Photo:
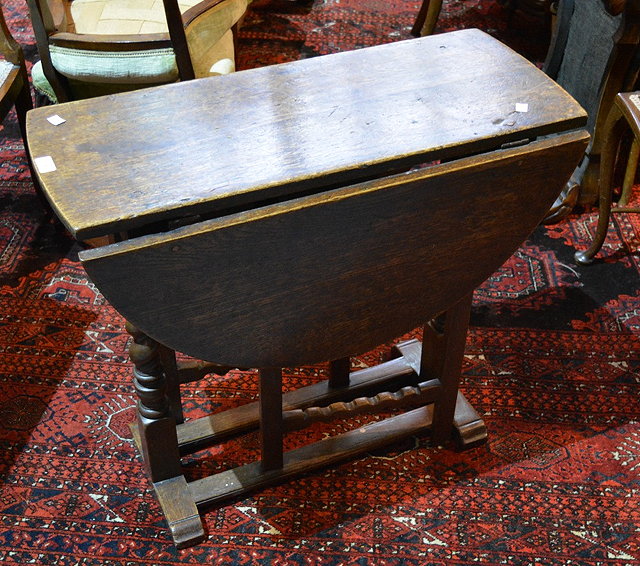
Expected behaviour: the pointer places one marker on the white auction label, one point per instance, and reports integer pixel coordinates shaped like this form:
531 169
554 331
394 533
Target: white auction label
44 164
56 120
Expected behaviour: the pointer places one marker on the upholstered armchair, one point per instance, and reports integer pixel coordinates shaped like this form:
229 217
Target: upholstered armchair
14 84
94 47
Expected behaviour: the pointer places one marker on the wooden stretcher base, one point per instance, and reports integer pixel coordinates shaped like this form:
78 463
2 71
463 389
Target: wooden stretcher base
181 500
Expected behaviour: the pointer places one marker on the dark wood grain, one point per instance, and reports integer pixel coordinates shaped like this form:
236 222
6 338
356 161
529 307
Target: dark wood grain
232 483
297 236
275 131
196 433
271 423
469 427
284 285
454 338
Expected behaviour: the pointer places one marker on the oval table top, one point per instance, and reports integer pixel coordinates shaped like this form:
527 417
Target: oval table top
221 144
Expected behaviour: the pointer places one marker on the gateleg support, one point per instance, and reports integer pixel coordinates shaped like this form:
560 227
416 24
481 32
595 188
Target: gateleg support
453 340
271 423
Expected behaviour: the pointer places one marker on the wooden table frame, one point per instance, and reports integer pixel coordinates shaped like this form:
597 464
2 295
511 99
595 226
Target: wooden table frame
332 239
162 435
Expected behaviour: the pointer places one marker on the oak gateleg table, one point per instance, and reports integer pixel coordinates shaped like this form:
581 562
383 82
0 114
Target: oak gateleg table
301 213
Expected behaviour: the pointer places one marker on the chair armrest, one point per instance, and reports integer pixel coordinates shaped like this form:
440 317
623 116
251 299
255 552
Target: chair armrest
193 12
134 42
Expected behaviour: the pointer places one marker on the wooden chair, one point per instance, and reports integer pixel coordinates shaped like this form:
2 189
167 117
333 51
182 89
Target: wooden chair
14 83
94 47
427 18
15 92
594 54
624 117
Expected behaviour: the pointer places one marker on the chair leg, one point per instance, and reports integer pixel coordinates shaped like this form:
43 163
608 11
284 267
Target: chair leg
23 104
616 126
630 172
427 18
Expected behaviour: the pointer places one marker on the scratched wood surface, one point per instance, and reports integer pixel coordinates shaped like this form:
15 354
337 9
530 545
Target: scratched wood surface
328 275
210 145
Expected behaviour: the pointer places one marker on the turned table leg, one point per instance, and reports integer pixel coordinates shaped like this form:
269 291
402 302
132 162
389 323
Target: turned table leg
158 440
172 380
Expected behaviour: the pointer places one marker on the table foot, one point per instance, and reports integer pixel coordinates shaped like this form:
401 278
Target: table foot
180 511
469 428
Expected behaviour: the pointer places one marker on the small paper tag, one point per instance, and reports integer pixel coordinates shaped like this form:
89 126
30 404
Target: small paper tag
522 107
56 120
635 99
44 164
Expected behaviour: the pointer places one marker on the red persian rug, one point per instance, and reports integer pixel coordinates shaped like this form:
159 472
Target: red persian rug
552 362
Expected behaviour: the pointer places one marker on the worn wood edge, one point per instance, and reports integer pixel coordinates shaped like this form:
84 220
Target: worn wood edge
9 81
180 501
297 203
197 433
468 424
180 511
244 479
410 351
120 42
406 397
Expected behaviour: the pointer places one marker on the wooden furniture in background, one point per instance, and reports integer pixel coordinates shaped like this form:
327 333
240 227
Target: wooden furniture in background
429 12
94 47
332 239
594 54
624 116
14 83
427 18
531 9
15 91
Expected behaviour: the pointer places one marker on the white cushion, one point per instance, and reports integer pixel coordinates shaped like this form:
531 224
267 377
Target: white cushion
5 68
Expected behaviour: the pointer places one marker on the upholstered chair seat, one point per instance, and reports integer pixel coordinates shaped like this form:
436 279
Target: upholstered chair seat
5 68
90 72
